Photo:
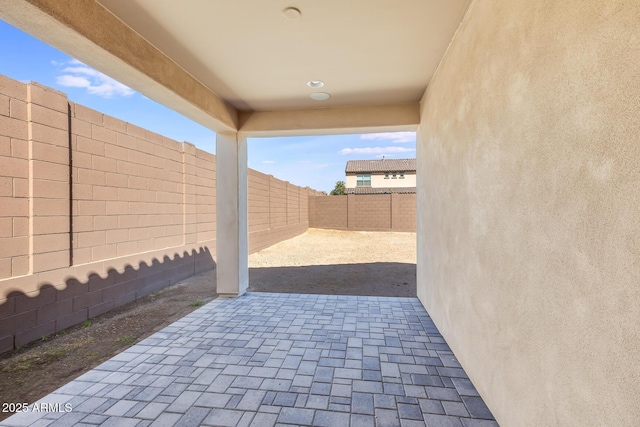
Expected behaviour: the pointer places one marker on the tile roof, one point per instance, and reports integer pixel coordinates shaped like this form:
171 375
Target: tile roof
383 165
383 190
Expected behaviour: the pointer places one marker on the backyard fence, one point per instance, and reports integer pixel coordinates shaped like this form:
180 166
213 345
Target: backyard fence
364 212
96 212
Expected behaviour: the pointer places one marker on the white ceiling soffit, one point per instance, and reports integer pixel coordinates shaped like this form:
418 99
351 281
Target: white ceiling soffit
367 52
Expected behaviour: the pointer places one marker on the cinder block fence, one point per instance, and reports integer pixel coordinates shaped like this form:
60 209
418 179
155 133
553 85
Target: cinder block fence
364 212
96 212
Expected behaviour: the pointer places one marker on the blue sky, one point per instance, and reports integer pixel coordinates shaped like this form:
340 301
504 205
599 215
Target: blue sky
316 161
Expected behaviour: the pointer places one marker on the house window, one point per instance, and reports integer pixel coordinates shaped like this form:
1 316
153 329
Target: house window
363 181
394 176
386 176
402 175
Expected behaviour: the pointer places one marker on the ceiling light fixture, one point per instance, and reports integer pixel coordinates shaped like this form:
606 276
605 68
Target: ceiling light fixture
320 96
315 83
292 13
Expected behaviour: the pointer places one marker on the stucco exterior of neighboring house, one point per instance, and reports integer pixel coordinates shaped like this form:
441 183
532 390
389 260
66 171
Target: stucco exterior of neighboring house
381 176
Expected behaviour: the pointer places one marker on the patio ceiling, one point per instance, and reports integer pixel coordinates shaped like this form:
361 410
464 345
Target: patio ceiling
245 64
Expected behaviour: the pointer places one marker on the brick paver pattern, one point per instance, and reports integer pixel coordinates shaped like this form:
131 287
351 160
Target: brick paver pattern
267 359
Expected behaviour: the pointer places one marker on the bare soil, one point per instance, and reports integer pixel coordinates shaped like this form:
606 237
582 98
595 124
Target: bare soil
338 263
318 261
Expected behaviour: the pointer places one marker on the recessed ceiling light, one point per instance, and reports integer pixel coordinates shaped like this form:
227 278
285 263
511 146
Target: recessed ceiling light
320 96
292 13
315 83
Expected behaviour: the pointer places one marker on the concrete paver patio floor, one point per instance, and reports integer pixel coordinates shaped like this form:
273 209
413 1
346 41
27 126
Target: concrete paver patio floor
267 359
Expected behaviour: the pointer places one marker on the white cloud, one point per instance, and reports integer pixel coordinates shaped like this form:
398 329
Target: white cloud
393 137
83 70
376 150
73 81
268 162
92 80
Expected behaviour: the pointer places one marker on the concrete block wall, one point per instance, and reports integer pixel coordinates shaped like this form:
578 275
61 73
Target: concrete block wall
96 212
364 212
372 212
403 212
204 206
14 179
129 186
278 210
329 212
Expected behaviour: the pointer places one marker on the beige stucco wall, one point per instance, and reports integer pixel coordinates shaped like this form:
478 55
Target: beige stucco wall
379 181
529 208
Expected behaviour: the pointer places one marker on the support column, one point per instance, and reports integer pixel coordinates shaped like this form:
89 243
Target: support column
232 249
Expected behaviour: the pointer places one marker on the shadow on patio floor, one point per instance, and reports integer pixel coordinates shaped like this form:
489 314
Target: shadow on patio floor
386 279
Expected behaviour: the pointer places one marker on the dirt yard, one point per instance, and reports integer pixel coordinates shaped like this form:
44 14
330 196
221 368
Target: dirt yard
319 261
338 263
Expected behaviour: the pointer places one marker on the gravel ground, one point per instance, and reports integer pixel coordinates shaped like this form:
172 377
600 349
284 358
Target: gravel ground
318 261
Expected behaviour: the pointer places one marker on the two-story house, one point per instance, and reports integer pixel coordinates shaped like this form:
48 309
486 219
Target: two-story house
381 176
